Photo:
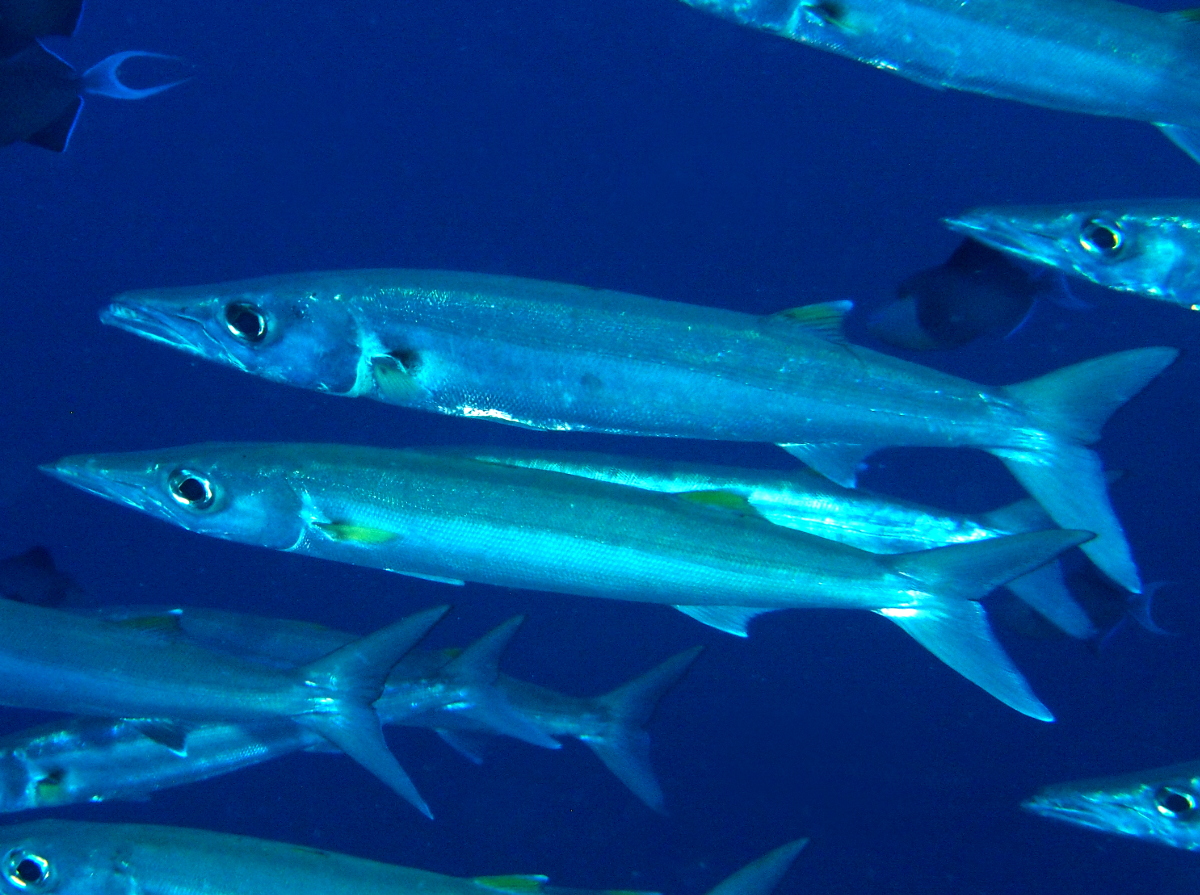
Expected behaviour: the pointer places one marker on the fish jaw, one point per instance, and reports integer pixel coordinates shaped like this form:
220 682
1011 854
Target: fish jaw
194 488
305 337
1166 811
1030 235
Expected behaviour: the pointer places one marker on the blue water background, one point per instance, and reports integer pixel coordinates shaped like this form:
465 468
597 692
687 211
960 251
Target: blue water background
636 145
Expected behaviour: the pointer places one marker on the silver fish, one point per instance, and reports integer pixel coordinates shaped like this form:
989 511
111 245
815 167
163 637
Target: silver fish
560 357
94 760
79 858
1148 247
1097 57
1161 805
450 518
803 500
71 663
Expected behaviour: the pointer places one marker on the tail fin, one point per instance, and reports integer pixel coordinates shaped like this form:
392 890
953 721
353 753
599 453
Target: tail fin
761 876
1045 590
103 79
624 746
477 667
348 681
953 626
1066 478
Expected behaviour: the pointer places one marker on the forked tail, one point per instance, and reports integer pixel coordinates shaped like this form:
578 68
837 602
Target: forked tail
623 744
1070 406
950 622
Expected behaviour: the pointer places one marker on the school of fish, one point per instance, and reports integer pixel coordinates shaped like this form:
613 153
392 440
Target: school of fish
165 695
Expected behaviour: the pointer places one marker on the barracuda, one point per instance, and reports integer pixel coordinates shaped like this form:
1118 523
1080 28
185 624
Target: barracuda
1092 56
456 694
806 501
1147 247
454 519
1161 805
560 357
78 858
69 663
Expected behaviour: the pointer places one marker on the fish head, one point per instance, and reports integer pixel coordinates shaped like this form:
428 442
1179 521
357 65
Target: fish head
287 329
1161 806
49 856
1119 245
236 492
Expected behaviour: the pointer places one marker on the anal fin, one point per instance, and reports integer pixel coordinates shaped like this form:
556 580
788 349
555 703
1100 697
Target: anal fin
837 461
730 619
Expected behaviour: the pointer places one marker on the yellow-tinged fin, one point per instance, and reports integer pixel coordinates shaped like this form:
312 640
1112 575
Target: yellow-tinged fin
514 884
823 319
725 500
1186 15
359 534
166 623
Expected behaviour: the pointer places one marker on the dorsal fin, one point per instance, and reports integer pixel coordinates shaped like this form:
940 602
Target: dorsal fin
823 319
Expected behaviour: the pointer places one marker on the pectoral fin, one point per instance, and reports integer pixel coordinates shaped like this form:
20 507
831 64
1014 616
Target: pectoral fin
1186 138
358 534
512 885
724 500
165 732
823 320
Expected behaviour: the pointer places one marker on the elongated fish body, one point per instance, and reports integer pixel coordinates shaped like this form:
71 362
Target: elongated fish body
1161 805
93 759
1092 56
71 663
561 357
1144 246
453 518
81 858
809 502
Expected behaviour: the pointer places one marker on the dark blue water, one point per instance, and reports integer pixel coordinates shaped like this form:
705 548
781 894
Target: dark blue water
636 145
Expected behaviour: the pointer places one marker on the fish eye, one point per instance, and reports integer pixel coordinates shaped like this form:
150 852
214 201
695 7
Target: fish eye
26 870
1102 237
245 321
1171 802
191 489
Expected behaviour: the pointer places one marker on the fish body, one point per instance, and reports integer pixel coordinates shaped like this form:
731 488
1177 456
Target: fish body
1145 247
103 859
976 291
1161 805
32 577
453 519
70 663
561 357
1096 57
41 95
806 501
92 760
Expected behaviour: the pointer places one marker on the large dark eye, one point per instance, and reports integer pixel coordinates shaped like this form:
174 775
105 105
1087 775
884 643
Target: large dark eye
1102 237
245 321
26 870
191 489
1174 803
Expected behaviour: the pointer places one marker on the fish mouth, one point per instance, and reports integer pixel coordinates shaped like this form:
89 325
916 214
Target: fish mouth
82 473
165 327
1006 236
1057 809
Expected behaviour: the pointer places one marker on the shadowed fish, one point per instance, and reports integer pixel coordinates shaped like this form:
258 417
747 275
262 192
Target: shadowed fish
1147 247
23 21
451 518
1161 805
1097 57
459 694
977 291
32 577
569 358
100 859
40 95
71 663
